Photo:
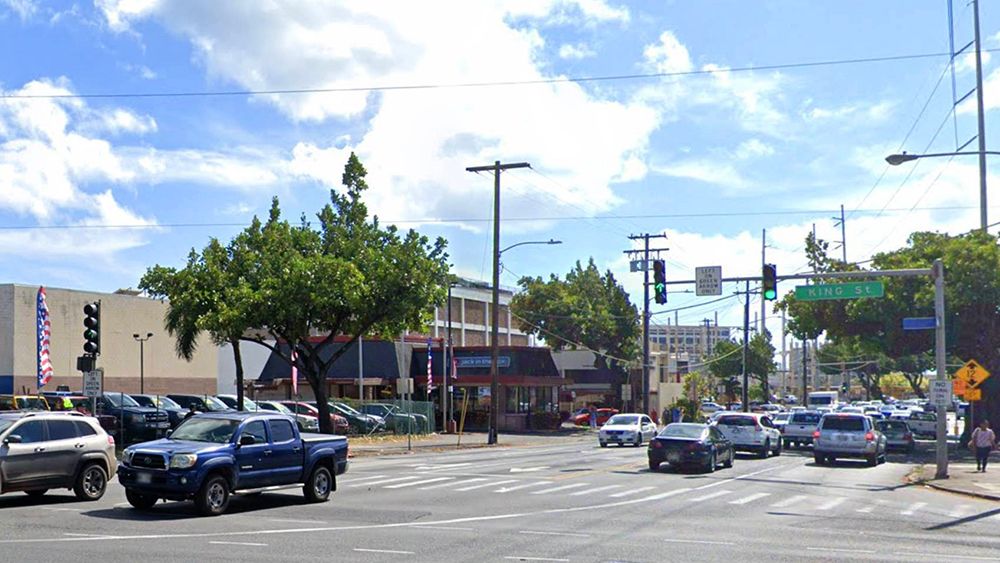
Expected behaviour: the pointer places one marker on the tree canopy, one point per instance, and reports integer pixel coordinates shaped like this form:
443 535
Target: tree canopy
587 307
304 285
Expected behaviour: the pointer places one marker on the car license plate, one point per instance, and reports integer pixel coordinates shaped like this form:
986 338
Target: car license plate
143 478
163 425
843 438
673 457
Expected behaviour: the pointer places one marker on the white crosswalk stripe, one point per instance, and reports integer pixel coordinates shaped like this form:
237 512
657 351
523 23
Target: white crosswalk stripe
595 490
831 504
368 478
562 488
709 496
519 487
454 483
913 508
384 481
789 501
632 492
750 498
484 485
959 511
424 482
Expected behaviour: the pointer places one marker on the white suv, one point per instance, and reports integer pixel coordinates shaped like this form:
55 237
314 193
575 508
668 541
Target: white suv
752 432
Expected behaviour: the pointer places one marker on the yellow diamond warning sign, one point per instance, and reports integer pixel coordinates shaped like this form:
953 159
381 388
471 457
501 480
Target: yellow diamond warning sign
973 373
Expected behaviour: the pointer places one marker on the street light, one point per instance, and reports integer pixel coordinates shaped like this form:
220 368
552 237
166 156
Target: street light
897 159
142 367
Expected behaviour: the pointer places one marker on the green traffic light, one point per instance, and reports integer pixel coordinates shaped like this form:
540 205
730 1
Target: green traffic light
770 294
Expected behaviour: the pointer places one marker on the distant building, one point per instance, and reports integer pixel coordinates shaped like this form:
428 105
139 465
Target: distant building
471 316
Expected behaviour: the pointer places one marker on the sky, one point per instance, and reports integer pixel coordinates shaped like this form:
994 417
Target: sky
134 130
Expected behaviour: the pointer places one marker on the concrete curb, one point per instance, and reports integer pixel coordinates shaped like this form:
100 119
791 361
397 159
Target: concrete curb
916 477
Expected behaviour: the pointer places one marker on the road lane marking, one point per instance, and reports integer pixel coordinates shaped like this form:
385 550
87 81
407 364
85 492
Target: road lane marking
490 484
294 521
832 503
562 488
345 481
701 542
913 508
449 528
915 556
866 510
85 535
632 492
62 509
519 487
789 501
839 550
709 496
567 534
383 481
959 511
250 544
525 558
424 482
750 498
455 484
595 490
391 551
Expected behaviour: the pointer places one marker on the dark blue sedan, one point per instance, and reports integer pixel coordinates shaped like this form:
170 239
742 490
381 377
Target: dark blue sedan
684 443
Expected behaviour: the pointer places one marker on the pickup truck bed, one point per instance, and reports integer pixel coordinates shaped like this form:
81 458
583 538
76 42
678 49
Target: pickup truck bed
212 456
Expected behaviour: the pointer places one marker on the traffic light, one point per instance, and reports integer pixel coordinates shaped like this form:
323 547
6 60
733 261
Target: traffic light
659 281
769 284
92 332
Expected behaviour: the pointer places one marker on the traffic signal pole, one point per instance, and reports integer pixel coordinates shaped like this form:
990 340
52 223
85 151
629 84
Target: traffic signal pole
645 312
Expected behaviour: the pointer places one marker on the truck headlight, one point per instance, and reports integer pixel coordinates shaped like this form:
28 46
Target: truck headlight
183 461
139 418
127 456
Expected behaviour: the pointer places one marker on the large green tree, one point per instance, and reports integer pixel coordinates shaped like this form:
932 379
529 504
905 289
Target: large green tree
587 308
303 285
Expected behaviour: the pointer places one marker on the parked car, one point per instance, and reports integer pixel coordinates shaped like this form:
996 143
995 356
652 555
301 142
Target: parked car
201 403
65 450
897 435
848 436
396 419
686 443
306 423
624 429
603 414
339 423
138 423
359 422
23 403
175 412
798 431
708 407
211 456
751 432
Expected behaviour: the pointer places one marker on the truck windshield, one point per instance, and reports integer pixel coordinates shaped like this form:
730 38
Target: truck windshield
117 399
206 430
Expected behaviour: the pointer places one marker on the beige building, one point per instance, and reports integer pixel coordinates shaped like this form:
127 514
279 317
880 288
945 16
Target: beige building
470 317
122 316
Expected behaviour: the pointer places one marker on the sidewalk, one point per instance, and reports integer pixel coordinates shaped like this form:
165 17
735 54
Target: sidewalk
963 477
393 444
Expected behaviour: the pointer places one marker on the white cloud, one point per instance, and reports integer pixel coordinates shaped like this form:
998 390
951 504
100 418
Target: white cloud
576 51
118 120
752 148
704 170
852 113
417 143
967 62
23 8
667 56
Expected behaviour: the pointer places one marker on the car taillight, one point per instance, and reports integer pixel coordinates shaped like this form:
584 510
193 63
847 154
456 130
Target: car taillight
870 437
815 433
907 436
655 444
693 447
111 440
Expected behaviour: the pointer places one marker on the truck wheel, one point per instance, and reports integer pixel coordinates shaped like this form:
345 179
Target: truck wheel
91 482
317 488
139 500
213 497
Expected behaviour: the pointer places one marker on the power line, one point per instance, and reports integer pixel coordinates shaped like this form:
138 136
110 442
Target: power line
455 85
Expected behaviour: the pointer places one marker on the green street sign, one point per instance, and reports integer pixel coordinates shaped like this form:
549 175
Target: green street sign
850 290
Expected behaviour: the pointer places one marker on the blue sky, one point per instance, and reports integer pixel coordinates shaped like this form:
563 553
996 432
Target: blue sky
709 159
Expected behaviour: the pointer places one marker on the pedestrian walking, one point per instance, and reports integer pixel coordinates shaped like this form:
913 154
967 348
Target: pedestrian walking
593 416
983 441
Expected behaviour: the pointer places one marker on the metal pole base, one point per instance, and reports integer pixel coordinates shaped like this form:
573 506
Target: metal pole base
491 439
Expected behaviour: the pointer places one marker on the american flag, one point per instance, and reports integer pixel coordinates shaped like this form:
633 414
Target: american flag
454 368
430 373
44 338
295 375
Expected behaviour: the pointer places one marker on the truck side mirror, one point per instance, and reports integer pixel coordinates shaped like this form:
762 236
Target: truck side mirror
247 440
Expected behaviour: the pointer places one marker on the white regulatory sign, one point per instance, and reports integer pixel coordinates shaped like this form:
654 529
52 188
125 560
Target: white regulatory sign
93 382
940 393
708 280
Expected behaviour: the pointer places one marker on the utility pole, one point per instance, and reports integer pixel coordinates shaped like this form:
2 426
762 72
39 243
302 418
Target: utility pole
496 168
805 369
843 236
645 311
762 327
744 396
981 121
450 359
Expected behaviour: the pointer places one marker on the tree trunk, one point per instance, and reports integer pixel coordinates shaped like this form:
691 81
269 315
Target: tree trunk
238 359
318 385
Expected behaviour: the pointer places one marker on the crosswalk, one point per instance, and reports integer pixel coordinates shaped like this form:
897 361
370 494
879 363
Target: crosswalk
761 498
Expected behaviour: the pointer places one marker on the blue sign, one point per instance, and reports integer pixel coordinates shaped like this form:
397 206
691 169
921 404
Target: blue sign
919 323
482 361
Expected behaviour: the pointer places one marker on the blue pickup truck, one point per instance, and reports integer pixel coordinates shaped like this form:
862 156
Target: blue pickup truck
214 455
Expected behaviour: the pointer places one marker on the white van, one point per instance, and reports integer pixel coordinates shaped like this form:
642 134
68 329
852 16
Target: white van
819 399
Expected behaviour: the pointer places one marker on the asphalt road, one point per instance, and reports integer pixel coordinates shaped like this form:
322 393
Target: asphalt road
568 502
